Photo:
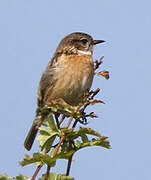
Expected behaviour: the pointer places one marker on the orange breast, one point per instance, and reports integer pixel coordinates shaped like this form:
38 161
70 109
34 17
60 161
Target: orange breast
73 76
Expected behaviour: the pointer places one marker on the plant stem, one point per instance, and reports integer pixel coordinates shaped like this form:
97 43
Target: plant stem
69 122
62 119
36 172
75 123
62 138
58 146
57 120
69 165
69 160
47 173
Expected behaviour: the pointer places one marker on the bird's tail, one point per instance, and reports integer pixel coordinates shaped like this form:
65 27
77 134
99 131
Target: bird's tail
32 133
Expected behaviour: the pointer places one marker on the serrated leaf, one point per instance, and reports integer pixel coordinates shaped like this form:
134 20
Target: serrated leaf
52 124
28 160
88 131
65 155
19 177
5 177
38 157
54 176
65 152
46 141
82 131
101 141
48 134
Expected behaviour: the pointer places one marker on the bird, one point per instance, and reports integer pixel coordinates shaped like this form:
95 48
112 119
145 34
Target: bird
68 76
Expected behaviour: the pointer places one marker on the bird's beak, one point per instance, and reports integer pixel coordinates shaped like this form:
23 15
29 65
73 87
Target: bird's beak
98 41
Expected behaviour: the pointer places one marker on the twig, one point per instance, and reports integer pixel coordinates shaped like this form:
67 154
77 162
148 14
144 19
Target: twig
98 63
95 93
57 120
69 160
62 119
69 165
36 172
38 169
58 146
69 122
47 173
62 138
75 123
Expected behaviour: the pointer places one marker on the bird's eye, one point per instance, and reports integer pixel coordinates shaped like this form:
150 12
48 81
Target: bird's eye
84 41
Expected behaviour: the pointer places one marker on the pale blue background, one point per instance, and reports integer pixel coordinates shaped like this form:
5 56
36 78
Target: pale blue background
29 33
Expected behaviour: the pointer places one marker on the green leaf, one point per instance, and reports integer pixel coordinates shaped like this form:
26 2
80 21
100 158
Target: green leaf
101 141
46 141
78 145
19 177
48 134
60 106
5 177
88 131
38 158
72 134
84 138
52 124
68 131
65 155
54 176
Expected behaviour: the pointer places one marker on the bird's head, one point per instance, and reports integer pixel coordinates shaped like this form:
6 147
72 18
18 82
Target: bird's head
77 43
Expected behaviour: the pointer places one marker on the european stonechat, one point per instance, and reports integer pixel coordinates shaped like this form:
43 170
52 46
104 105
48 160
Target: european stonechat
68 76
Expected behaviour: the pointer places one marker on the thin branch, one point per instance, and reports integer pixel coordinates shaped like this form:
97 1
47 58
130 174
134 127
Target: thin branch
47 173
75 123
36 172
98 63
58 146
57 120
69 122
62 138
62 119
95 93
69 165
69 160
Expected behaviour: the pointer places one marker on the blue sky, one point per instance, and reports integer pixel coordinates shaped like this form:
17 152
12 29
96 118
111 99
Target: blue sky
29 33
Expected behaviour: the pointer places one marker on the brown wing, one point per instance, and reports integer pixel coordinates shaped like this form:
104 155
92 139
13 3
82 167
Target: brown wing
46 81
